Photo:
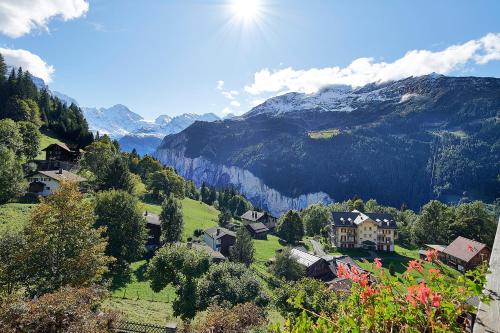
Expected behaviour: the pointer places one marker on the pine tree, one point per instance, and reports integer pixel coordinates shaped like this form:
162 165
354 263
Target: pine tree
117 176
290 227
204 191
3 71
243 250
172 220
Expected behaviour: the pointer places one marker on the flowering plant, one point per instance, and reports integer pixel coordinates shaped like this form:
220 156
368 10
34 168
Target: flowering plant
424 298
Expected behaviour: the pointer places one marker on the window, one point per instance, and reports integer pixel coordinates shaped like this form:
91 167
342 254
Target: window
47 188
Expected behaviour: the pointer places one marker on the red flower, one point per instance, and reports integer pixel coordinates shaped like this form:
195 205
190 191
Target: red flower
342 271
378 263
423 292
470 248
430 255
433 271
415 264
363 280
369 291
436 300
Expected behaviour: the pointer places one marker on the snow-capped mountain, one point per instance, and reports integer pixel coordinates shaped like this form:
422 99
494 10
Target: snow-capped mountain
118 121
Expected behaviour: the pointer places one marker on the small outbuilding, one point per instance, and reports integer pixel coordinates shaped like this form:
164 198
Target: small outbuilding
464 254
257 230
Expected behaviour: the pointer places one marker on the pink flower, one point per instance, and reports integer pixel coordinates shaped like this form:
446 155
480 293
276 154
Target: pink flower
368 292
436 300
378 263
470 248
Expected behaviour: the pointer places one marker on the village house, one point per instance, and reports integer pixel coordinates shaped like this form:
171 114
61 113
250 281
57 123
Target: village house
464 254
58 156
265 218
257 230
371 231
44 183
153 224
220 239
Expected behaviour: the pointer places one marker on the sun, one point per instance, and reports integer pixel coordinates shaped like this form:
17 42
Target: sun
246 10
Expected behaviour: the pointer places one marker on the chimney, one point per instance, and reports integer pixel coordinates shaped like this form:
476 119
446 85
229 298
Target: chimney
146 213
218 232
60 171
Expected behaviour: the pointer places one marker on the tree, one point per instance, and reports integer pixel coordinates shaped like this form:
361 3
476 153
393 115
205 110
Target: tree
10 137
286 267
212 197
180 266
117 176
246 317
64 248
224 218
229 283
98 156
119 213
148 165
312 295
191 191
67 310
166 182
11 175
12 265
243 250
356 204
172 220
315 218
205 193
472 220
31 137
431 226
3 71
290 227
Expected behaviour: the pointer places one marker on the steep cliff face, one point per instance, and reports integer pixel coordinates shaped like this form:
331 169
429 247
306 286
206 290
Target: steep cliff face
202 170
408 141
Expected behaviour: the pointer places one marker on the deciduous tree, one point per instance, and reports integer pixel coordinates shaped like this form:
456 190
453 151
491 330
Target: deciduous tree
172 220
290 227
243 250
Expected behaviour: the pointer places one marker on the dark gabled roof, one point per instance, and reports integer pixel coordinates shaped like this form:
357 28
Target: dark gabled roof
252 215
368 242
152 218
344 219
384 220
209 251
345 260
258 227
347 219
218 232
464 249
60 144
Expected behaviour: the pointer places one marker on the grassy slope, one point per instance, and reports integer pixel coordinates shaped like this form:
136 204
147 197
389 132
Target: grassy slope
13 216
197 215
45 141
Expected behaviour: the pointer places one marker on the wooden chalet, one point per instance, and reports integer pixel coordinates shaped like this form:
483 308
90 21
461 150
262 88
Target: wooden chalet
464 254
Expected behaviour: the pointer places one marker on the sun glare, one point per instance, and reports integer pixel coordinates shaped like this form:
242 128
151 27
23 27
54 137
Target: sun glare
246 10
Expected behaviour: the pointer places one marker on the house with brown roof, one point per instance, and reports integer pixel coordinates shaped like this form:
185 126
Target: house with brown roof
464 254
44 183
220 239
265 218
257 230
61 152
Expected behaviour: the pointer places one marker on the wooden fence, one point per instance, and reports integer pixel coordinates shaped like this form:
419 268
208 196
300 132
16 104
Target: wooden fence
133 327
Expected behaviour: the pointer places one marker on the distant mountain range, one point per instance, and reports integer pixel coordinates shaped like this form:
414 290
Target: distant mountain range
406 141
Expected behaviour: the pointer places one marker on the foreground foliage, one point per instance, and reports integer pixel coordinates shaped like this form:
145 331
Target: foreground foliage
421 300
68 310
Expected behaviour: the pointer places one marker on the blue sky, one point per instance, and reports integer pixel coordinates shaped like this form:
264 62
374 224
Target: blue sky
168 57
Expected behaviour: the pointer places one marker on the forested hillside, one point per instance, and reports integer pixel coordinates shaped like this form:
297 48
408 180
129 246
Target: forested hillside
407 141
21 100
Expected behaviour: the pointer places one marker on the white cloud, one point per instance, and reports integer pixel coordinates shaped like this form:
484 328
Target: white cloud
226 111
365 70
235 103
19 17
28 61
220 85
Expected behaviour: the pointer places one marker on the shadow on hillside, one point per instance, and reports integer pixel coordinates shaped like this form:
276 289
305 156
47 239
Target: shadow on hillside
140 273
151 199
120 279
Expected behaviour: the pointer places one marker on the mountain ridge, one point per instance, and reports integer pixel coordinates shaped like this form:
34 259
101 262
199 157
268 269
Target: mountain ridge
436 136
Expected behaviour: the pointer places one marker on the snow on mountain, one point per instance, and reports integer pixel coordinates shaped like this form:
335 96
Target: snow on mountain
65 98
118 121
